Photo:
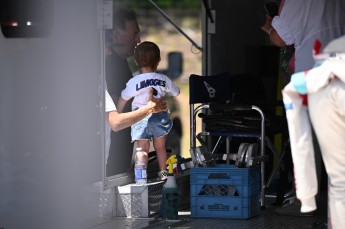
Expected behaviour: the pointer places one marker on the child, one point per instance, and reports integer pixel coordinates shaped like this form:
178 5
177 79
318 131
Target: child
154 126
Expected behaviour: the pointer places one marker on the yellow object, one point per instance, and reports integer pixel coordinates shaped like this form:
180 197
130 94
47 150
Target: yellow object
171 161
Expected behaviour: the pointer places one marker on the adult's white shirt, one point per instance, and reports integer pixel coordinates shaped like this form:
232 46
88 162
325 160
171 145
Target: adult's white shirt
301 22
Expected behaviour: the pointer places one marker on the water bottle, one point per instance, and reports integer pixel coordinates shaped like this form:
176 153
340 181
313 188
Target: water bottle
140 168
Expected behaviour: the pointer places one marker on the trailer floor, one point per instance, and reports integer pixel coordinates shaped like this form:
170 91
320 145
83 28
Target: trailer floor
266 219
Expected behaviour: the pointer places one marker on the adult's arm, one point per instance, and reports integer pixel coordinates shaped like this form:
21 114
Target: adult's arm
276 39
290 27
272 33
121 103
297 19
119 121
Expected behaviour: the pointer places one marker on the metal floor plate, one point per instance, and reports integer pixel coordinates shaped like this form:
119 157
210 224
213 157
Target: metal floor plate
266 219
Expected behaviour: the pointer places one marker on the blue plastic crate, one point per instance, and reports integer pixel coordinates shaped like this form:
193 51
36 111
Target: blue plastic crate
225 191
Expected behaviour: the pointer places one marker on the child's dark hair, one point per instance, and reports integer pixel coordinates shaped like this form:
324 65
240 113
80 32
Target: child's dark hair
147 54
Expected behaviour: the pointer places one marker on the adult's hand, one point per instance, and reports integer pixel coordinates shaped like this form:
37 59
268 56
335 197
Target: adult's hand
268 24
272 33
156 105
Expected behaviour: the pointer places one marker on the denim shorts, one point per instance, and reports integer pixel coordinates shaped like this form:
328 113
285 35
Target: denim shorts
152 126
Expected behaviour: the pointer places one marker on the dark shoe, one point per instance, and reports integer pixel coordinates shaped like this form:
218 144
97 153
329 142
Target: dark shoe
277 204
293 210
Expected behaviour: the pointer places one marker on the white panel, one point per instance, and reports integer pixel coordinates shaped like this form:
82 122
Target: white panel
50 120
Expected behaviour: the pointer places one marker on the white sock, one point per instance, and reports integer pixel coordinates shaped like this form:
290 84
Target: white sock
308 204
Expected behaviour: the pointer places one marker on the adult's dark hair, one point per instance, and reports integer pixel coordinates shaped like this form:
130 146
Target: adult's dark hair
147 54
121 16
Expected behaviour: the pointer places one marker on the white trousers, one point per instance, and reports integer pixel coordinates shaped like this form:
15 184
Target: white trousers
327 114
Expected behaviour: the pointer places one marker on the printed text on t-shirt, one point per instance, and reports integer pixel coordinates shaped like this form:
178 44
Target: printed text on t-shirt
150 82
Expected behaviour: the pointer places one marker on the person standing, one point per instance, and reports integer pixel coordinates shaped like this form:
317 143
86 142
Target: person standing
125 37
321 93
156 126
299 24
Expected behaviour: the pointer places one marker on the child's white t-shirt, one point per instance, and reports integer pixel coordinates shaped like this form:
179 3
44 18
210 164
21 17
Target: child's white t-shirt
139 86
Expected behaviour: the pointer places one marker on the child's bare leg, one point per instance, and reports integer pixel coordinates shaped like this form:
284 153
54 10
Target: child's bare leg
159 145
145 145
